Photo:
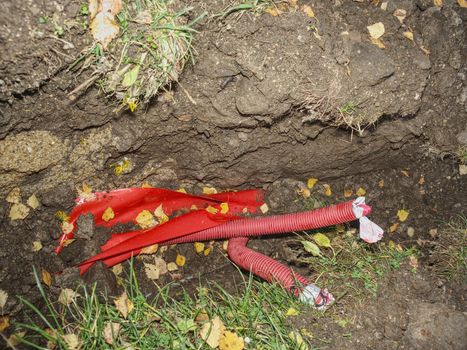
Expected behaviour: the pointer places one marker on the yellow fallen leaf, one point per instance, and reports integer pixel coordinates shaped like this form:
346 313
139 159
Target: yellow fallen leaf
67 296
340 228
402 215
161 215
152 271
381 183
117 269
393 227
108 214
312 248
3 298
376 30
405 173
225 245
181 190
322 240
292 312
438 3
4 323
171 266
462 3
36 246
209 190
18 211
145 219
311 182
327 190
85 192
62 216
14 196
33 202
304 192
408 34
122 167
360 192
212 331
72 341
15 338
180 260
264 208
298 340
378 43
46 277
149 249
273 11
208 250
193 207
111 332
348 193
124 305
146 185
308 11
199 247
422 180
211 209
231 341
224 208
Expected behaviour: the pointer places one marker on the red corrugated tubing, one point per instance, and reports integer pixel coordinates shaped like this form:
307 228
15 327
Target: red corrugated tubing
264 266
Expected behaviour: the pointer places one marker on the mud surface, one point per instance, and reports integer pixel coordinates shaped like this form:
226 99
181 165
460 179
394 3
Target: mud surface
259 120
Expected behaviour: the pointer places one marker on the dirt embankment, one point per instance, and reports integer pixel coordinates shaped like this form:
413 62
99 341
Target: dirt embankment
264 95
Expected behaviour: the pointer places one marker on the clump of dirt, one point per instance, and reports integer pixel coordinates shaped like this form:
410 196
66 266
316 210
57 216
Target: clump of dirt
263 96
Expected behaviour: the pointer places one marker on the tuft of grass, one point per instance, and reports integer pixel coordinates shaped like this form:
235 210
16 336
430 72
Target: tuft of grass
352 267
254 6
258 314
449 255
153 47
462 155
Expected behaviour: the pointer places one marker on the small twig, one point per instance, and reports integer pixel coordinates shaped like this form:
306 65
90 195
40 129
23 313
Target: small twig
187 94
61 40
72 96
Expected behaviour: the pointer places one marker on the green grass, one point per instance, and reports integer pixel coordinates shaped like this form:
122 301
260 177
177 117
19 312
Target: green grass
450 252
462 154
258 312
254 6
348 108
351 267
152 48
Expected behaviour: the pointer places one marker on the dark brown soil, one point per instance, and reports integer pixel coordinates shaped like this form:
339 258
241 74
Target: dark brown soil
255 124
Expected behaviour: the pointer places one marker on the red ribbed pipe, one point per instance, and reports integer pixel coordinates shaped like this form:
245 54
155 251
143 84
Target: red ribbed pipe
276 224
264 266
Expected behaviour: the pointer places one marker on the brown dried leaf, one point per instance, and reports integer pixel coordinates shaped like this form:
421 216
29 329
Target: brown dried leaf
408 34
111 332
46 277
212 331
33 202
67 296
18 211
14 196
123 305
376 30
378 43
4 323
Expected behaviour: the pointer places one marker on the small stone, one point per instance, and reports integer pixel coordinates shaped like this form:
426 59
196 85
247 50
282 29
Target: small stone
463 169
410 232
434 232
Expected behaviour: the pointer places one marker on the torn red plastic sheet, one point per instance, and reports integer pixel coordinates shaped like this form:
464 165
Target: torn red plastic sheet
128 203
